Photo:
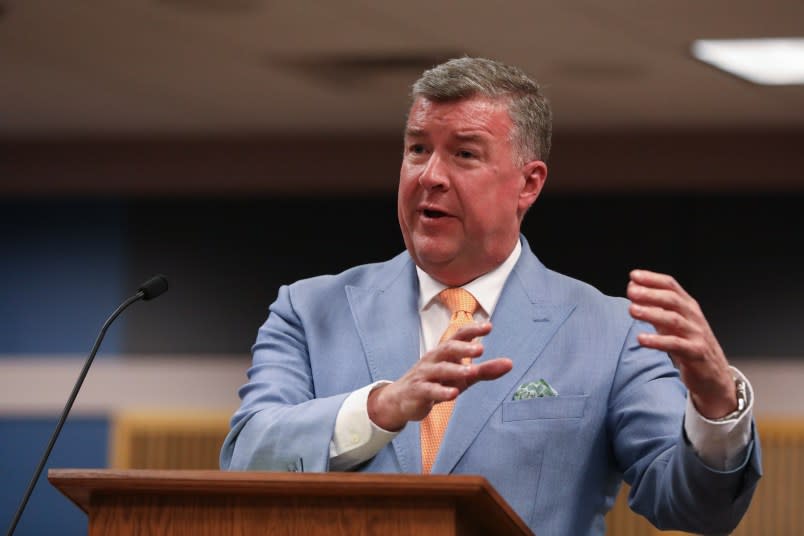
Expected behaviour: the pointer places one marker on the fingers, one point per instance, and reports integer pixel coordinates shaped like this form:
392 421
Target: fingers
682 329
494 368
434 392
660 300
649 279
657 297
393 405
453 351
663 320
462 376
674 345
462 344
671 296
426 384
452 374
684 333
472 331
439 375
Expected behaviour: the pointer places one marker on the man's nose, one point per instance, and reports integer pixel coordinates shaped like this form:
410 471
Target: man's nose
435 174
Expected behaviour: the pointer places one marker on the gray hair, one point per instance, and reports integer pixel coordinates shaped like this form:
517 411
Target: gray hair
463 78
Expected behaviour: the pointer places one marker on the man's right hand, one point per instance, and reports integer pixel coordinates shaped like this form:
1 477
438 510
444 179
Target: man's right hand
437 377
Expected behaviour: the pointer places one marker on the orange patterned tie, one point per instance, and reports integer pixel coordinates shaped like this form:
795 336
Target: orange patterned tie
462 305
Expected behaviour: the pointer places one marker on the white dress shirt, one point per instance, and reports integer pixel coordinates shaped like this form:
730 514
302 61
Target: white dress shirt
720 444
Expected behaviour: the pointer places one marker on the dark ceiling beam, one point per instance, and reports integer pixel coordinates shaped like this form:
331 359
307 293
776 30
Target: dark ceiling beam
583 162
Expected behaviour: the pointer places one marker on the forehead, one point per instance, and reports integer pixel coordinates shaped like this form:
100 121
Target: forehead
476 116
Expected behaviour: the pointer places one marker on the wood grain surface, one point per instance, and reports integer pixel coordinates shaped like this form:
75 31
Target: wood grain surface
140 502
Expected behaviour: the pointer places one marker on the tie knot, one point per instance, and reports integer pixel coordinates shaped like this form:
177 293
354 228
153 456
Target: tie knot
458 299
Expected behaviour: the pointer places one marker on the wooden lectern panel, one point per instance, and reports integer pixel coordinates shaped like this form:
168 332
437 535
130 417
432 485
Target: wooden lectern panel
199 503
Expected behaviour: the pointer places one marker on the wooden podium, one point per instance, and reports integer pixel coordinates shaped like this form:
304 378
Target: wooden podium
199 503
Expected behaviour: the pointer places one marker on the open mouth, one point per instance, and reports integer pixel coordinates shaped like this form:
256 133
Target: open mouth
434 213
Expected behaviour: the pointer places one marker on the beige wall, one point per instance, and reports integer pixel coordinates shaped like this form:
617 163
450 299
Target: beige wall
40 385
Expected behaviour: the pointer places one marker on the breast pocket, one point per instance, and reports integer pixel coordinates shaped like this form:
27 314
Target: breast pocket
552 407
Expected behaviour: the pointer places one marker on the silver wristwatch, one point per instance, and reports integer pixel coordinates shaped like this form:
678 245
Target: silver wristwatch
742 401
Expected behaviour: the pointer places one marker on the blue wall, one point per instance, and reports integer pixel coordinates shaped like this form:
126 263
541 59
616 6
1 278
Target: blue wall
66 264
61 275
83 444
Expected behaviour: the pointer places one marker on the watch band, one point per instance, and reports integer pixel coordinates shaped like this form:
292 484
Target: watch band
742 402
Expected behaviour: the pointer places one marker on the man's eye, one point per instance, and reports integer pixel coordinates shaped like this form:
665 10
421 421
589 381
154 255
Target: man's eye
465 154
416 148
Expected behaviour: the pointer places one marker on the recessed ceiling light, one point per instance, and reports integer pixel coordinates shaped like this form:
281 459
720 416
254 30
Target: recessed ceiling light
776 62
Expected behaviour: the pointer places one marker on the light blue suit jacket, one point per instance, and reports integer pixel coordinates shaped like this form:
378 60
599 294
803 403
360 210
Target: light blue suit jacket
558 461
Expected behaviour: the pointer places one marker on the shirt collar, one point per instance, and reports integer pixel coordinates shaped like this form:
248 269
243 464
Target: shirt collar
486 288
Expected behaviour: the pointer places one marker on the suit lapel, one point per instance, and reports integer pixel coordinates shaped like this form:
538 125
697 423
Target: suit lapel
387 321
522 328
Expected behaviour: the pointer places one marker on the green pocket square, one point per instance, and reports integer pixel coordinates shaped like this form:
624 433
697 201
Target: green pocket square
539 389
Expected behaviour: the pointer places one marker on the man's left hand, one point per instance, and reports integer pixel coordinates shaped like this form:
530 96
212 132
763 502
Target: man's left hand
684 333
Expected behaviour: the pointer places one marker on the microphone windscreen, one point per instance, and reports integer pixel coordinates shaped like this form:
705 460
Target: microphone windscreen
154 287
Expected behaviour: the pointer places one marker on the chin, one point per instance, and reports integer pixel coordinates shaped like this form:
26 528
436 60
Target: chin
432 261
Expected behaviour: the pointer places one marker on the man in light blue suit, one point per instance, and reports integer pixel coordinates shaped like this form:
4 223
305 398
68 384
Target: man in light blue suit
347 366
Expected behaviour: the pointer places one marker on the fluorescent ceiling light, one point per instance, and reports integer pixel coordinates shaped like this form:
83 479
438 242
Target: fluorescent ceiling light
773 62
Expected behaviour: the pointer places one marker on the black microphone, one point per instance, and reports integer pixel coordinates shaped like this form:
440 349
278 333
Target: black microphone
156 286
149 290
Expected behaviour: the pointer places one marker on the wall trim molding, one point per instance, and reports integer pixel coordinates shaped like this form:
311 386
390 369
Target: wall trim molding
38 386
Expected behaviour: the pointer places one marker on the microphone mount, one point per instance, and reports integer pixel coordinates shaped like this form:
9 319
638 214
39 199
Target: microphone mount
152 288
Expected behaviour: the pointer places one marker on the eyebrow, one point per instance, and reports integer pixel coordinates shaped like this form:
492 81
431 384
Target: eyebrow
469 136
414 132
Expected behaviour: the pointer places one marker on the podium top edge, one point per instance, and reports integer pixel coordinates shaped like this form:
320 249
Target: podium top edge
107 477
468 493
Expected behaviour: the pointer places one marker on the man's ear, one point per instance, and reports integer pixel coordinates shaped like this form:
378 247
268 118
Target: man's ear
535 175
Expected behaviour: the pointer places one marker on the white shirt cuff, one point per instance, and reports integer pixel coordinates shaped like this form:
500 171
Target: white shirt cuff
356 438
721 445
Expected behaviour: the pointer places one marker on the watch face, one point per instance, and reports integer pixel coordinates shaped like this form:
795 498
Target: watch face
742 401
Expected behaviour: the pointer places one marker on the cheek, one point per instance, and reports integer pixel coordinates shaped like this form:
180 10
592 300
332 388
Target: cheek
407 188
492 208
405 200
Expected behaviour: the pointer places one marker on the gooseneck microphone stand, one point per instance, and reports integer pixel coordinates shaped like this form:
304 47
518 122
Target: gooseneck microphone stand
149 290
